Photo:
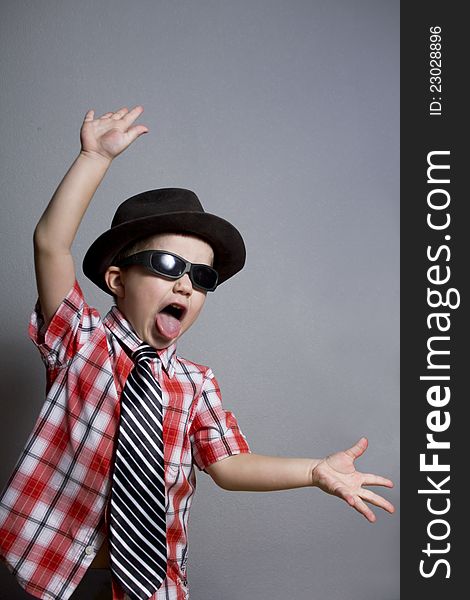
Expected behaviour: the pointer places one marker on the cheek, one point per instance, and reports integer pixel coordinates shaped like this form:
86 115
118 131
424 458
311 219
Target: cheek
153 289
145 298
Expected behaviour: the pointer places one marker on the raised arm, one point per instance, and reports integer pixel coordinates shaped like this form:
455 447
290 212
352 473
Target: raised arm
102 139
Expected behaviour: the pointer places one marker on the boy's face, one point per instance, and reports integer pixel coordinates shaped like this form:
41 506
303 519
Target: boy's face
144 297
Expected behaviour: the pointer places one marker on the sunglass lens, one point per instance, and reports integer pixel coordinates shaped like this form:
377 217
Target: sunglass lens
167 264
205 277
172 266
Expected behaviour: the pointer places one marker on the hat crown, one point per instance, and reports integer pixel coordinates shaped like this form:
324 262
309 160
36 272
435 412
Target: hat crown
157 202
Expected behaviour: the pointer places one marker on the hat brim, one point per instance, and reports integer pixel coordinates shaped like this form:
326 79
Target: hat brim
222 236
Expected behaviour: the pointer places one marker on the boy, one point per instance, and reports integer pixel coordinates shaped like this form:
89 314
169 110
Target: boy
77 487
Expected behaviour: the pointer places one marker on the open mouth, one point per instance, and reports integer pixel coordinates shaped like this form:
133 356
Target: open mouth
169 320
174 310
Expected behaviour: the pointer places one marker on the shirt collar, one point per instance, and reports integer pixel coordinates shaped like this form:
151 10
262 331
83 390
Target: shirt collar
120 327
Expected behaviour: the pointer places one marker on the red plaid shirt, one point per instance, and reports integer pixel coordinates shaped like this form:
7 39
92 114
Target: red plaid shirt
53 516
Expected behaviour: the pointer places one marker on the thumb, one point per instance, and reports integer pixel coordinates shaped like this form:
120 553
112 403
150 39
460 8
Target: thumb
89 115
358 449
134 132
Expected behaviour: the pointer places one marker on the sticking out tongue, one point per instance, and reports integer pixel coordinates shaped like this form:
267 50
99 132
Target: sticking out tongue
168 325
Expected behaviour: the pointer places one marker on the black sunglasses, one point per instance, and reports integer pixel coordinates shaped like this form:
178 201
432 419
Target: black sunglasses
173 266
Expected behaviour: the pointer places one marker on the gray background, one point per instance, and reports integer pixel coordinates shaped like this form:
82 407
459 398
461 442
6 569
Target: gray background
284 117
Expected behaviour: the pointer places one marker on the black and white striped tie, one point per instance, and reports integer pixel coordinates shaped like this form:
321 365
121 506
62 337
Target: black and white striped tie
137 515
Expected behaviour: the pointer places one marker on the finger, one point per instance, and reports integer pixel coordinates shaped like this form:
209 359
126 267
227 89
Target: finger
377 500
371 479
132 115
120 113
134 132
89 115
358 448
362 508
106 115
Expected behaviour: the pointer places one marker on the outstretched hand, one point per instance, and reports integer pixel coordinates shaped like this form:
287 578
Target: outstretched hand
337 475
112 133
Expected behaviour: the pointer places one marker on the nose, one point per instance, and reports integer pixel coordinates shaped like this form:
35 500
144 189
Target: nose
183 285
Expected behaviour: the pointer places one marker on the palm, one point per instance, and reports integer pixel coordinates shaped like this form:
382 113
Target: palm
112 142
339 470
337 475
112 133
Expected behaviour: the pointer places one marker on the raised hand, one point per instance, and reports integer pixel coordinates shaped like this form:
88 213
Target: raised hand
337 475
109 135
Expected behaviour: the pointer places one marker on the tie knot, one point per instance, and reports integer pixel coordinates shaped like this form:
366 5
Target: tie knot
144 352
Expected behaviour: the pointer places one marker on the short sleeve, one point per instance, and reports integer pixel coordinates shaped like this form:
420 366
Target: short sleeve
214 433
72 326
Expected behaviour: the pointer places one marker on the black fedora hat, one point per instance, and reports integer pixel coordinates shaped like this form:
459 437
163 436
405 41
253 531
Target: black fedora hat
166 210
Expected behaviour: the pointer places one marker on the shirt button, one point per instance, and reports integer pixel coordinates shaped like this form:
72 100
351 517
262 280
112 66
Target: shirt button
89 550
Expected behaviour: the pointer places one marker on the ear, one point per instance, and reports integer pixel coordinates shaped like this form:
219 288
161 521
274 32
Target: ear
115 281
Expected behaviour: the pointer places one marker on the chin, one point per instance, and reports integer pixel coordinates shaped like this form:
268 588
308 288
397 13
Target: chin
160 344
